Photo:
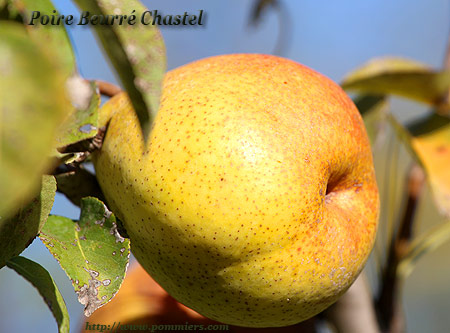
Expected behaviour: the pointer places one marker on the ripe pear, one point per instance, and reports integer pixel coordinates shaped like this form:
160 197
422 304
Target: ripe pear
254 201
142 303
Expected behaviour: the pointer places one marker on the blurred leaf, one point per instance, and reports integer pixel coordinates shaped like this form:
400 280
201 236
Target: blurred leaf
284 38
81 119
401 77
54 40
137 52
43 282
431 141
9 13
78 184
428 140
17 232
373 110
422 245
391 183
82 123
259 7
32 105
91 252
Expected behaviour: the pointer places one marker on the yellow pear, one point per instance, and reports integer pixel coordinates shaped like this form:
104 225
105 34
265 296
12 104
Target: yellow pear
254 201
141 304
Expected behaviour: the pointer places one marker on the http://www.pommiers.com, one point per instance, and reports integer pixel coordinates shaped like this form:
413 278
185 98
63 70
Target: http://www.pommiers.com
117 327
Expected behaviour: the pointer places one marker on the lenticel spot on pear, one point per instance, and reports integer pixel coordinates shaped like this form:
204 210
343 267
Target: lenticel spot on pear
254 201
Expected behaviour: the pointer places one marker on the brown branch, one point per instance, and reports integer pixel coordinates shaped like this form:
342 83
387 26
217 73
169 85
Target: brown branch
389 310
354 312
444 106
107 88
447 55
76 183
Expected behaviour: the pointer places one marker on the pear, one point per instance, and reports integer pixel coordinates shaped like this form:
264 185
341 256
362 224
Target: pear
254 201
141 303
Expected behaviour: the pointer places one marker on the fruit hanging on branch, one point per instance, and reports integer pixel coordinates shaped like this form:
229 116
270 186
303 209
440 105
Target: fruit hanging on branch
254 201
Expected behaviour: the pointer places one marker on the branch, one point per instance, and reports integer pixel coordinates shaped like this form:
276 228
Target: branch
447 55
354 312
446 98
107 88
388 305
76 183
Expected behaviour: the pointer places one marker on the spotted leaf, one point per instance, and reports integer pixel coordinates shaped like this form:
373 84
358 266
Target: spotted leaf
91 251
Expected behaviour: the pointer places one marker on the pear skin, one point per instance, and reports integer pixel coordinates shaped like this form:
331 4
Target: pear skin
141 304
254 201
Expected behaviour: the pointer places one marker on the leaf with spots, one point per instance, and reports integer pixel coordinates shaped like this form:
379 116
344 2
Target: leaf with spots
18 231
43 282
32 106
91 251
402 77
137 52
82 122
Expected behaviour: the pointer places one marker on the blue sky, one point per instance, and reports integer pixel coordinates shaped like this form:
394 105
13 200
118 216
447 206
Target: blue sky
332 37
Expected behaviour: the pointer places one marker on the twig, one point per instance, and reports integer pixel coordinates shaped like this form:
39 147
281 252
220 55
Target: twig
447 55
444 106
388 306
76 183
354 311
107 88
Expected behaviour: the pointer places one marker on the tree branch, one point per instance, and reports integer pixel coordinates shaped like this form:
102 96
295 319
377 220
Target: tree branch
447 55
354 311
107 88
389 311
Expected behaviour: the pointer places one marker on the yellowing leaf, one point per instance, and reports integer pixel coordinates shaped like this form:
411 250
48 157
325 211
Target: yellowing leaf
403 77
431 142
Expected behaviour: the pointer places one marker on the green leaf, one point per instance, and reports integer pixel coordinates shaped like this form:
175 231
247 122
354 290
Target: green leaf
137 52
43 282
401 77
91 252
54 40
17 232
82 122
32 105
